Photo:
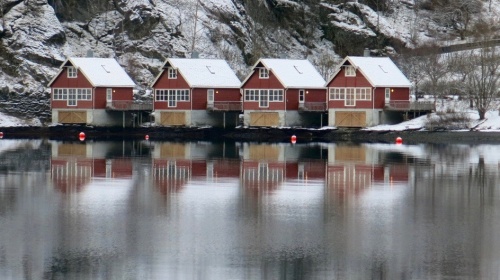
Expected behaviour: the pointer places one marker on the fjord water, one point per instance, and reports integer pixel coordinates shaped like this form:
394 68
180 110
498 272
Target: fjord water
167 210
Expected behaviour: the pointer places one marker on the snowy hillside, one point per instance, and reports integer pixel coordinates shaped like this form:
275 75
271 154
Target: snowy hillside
37 35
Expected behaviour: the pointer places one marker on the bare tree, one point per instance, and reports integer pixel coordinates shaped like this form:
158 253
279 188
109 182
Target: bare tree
411 66
325 64
478 73
435 70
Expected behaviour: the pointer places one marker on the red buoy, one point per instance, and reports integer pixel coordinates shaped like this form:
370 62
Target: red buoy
1 135
81 136
293 139
146 137
399 140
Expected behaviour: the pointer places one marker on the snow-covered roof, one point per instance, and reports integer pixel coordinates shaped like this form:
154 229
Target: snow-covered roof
201 73
100 72
293 73
379 71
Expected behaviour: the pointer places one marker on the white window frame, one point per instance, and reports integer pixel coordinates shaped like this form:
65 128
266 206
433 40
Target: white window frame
350 97
364 94
350 71
172 73
263 73
72 72
387 96
302 96
62 94
275 95
109 95
337 93
161 95
172 96
263 98
361 94
210 96
172 101
251 95
72 94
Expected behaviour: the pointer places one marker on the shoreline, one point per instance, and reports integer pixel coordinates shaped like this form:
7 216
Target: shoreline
254 134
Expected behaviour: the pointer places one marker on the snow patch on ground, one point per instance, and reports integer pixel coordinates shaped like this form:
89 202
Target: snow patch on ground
10 121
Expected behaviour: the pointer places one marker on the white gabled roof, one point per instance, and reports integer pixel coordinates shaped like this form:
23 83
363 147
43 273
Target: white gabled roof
100 72
379 71
204 73
293 73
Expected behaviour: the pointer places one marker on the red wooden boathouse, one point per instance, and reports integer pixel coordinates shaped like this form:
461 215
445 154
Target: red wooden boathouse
283 92
196 92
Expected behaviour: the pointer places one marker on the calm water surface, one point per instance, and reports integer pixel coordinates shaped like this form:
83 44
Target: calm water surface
165 210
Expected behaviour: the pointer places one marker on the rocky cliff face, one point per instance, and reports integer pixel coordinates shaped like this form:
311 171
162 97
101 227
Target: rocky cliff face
37 35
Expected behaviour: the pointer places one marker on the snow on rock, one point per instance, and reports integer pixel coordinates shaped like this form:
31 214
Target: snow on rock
33 29
10 121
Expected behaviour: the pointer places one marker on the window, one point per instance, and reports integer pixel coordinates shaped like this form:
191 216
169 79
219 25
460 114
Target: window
84 94
350 71
350 98
302 96
263 73
337 93
72 94
172 73
71 97
350 94
109 95
275 95
251 95
172 102
363 94
210 96
172 96
182 95
264 98
71 72
161 95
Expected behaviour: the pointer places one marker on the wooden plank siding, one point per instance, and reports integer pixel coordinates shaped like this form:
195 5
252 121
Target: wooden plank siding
264 119
173 118
350 119
75 117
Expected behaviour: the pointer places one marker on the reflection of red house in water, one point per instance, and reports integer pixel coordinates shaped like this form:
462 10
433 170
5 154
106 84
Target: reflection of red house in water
175 164
350 171
266 167
72 168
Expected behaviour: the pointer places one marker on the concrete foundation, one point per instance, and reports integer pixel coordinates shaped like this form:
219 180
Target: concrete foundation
204 118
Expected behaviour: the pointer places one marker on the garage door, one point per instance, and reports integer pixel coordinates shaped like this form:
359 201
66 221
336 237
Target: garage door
173 118
350 119
264 119
72 117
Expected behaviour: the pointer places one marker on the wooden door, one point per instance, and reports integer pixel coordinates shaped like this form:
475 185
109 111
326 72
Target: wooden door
72 117
173 118
264 119
350 119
